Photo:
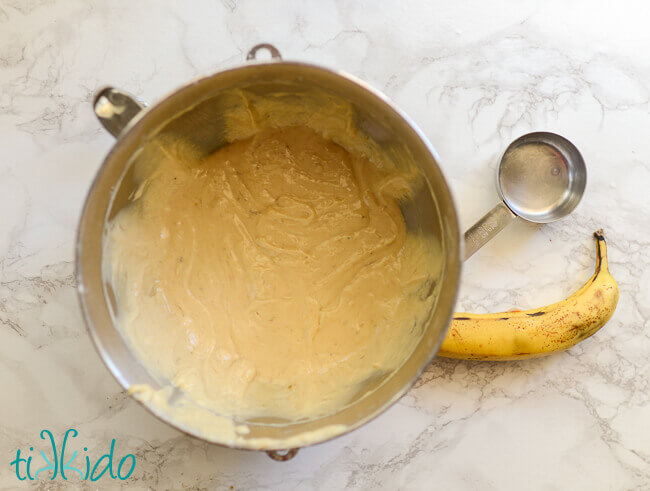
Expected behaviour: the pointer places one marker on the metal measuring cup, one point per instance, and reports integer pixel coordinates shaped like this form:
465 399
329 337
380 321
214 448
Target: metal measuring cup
541 178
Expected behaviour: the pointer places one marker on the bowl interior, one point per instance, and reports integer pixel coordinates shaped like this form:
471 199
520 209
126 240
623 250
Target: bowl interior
231 105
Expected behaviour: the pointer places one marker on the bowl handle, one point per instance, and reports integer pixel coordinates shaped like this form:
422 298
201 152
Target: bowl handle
281 456
275 54
115 109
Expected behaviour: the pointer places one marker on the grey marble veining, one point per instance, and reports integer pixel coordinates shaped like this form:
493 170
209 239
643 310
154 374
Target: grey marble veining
474 75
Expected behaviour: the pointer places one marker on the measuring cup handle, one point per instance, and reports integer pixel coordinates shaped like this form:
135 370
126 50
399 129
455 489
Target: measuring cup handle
486 228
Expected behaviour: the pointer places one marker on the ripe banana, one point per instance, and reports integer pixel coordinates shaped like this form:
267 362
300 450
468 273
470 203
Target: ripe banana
538 332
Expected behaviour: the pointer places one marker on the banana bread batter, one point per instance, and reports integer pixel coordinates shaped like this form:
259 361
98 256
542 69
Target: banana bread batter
274 278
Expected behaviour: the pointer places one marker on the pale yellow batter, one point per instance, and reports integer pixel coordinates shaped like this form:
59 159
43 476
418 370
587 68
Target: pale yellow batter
275 278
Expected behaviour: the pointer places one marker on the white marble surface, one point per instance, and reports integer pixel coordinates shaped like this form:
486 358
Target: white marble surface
474 75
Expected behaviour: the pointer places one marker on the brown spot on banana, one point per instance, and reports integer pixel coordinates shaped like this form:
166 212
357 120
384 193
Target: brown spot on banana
537 332
536 314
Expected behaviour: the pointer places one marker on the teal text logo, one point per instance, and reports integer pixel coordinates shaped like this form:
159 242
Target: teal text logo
57 465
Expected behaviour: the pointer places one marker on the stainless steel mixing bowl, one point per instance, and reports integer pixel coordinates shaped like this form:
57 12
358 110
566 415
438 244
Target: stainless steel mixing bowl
195 112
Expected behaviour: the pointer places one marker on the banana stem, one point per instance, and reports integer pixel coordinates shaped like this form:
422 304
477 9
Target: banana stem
601 251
